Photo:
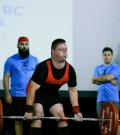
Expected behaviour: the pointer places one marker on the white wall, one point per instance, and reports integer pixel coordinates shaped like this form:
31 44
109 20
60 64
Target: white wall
41 20
96 25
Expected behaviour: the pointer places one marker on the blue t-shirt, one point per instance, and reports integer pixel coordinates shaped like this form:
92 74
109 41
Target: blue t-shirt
107 91
21 70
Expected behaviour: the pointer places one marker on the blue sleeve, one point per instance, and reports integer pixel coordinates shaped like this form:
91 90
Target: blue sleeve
96 72
37 61
7 66
116 72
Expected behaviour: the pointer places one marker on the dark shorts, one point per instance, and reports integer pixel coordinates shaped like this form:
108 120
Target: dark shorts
99 105
47 100
17 107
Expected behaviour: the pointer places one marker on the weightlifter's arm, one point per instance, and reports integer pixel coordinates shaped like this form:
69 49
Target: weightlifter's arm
30 99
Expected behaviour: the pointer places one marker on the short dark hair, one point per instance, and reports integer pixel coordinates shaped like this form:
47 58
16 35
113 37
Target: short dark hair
56 42
107 49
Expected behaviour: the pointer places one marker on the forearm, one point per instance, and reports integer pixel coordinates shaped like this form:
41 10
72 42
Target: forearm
75 104
95 82
30 97
73 97
6 86
6 91
113 82
102 79
31 93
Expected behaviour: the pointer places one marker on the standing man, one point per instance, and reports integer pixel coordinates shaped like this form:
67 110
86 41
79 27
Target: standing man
47 79
106 76
19 68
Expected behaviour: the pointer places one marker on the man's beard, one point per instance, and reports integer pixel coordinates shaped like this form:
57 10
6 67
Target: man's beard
24 53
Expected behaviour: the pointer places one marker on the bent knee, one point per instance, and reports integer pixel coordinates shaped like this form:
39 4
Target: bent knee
62 123
57 110
38 109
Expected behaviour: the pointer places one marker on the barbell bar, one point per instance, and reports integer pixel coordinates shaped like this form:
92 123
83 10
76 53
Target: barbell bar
52 118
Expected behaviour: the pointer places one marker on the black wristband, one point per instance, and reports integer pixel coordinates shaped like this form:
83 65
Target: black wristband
29 108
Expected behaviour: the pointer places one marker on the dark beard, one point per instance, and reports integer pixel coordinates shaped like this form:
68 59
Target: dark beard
24 53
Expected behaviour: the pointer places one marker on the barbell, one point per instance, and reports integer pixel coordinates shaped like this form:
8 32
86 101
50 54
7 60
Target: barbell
51 118
108 121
